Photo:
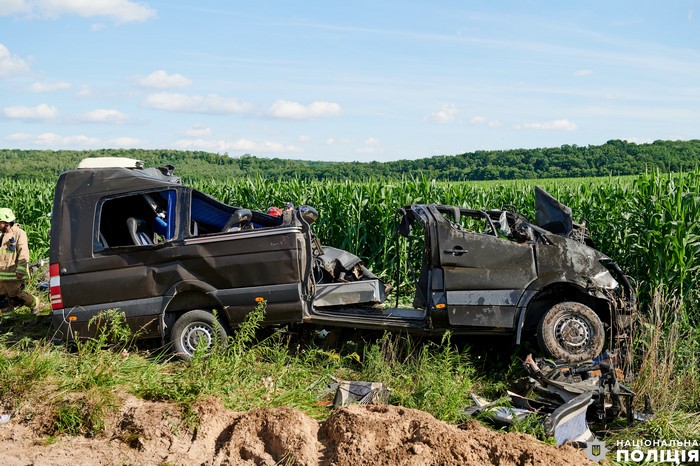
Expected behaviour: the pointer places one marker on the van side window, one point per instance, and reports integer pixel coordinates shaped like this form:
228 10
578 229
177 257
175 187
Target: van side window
136 220
469 221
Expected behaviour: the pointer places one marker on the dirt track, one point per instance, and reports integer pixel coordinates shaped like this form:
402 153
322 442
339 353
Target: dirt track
147 433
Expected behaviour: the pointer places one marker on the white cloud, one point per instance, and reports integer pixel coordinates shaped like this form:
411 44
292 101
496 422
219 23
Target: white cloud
51 139
55 141
104 115
446 114
210 104
40 112
84 91
482 120
555 125
48 87
367 150
11 65
125 142
638 140
343 141
198 131
297 111
9 7
583 72
80 141
372 142
304 138
240 145
120 11
18 137
162 80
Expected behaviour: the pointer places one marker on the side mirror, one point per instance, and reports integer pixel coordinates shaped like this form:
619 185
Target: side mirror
308 213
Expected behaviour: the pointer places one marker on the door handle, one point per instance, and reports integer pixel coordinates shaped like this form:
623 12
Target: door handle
456 251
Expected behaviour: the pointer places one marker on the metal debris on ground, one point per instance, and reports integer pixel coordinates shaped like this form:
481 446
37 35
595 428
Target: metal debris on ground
503 415
567 396
347 392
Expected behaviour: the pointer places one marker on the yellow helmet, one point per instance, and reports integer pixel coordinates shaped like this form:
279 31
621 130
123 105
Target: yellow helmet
6 215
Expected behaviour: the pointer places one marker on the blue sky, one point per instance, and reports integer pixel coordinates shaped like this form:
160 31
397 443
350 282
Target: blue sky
341 81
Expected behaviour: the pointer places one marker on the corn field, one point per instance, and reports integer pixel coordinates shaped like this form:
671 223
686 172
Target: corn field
650 224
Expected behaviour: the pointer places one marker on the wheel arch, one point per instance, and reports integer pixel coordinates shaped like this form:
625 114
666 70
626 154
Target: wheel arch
532 310
187 296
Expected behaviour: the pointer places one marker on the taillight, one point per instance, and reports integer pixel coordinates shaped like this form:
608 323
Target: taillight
55 286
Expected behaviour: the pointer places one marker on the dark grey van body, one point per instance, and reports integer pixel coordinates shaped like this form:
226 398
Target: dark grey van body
168 256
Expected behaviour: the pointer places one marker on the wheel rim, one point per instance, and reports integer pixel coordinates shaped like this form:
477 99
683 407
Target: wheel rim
194 334
574 333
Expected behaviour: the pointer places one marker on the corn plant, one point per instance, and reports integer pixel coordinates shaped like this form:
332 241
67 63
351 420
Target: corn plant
648 223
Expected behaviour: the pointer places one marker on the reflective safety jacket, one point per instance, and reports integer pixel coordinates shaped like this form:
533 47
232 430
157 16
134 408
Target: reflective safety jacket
14 254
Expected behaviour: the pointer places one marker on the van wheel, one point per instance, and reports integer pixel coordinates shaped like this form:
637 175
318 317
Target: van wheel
571 331
195 328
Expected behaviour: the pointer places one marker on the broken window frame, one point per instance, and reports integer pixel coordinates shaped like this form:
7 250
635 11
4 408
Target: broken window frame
157 208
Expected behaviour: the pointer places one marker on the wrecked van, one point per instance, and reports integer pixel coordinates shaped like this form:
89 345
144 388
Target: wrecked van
187 269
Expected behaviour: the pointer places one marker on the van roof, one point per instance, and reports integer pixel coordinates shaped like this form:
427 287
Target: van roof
110 162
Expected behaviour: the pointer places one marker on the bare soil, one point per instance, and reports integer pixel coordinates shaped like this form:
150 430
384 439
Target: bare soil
151 433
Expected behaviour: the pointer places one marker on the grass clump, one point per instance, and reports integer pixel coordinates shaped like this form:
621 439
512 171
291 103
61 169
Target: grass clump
432 377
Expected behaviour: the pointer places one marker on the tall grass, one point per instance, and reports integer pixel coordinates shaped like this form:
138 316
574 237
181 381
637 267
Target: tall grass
75 391
668 353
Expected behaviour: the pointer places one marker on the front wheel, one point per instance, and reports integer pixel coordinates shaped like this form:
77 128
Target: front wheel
571 331
195 329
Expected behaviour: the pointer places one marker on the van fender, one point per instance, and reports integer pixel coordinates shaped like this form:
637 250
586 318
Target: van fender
199 295
542 284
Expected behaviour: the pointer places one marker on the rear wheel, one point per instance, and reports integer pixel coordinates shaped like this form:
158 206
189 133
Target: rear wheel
195 329
571 331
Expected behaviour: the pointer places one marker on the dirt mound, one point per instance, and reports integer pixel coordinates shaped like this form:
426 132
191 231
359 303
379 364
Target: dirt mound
156 433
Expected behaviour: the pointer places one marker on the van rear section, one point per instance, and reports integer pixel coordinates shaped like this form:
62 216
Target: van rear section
141 243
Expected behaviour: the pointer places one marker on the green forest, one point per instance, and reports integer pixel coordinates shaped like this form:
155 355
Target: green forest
614 158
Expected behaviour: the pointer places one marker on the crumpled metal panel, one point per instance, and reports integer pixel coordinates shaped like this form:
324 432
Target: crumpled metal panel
339 294
572 261
230 262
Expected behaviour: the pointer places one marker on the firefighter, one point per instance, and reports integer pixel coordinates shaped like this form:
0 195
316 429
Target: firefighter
14 259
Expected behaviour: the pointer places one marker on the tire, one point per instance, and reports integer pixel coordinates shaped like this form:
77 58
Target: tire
571 331
193 327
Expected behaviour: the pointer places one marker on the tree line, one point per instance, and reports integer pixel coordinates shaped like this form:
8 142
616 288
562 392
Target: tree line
614 158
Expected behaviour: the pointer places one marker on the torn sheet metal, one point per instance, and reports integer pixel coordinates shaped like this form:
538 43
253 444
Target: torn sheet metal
347 392
569 398
568 422
365 393
502 415
599 377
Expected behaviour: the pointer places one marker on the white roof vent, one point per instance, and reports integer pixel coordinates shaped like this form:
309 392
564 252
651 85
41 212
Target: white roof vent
110 162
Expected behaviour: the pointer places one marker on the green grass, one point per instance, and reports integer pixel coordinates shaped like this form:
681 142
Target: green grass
78 384
75 389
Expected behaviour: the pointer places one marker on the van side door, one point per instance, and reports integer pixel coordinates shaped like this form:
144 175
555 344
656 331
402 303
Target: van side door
484 274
